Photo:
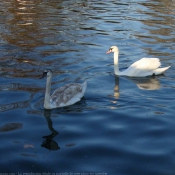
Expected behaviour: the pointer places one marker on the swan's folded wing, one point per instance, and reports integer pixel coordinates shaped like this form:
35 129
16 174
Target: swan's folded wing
146 64
66 95
143 65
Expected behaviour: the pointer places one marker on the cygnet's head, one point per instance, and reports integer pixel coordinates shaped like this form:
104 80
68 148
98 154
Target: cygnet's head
112 49
47 73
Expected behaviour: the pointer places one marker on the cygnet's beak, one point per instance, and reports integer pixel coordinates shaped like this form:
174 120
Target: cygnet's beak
44 75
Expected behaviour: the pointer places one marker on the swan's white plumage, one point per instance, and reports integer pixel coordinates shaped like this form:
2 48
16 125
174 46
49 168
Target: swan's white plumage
141 68
63 96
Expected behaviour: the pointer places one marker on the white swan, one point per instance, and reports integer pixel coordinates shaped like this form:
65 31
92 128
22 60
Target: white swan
141 68
63 96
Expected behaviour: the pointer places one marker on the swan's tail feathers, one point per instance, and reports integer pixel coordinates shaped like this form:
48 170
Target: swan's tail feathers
84 85
161 70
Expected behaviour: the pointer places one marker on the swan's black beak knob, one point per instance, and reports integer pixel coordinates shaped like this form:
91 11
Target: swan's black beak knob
109 51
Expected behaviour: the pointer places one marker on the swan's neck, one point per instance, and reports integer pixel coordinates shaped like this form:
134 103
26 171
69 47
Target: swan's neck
47 93
116 68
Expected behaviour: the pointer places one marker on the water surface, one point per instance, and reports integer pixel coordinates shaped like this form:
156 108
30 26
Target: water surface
122 125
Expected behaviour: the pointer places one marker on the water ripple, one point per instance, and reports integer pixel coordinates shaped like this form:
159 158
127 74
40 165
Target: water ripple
122 125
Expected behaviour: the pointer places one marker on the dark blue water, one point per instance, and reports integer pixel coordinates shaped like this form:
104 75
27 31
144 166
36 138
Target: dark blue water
123 125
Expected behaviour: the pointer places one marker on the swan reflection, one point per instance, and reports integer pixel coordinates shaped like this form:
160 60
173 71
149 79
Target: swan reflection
116 88
146 83
49 143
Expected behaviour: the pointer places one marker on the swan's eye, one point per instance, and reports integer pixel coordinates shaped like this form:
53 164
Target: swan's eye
110 49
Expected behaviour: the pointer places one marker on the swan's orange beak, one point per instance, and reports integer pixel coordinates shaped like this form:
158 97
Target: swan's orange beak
109 51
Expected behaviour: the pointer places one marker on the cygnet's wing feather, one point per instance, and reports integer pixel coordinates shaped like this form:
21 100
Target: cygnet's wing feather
144 66
67 95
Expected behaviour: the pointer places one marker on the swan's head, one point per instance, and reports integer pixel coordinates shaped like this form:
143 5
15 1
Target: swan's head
47 73
112 49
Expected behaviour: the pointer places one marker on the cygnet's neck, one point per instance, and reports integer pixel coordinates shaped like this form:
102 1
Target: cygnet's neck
116 68
47 93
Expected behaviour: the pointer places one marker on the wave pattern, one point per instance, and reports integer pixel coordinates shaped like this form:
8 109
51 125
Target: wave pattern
122 125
